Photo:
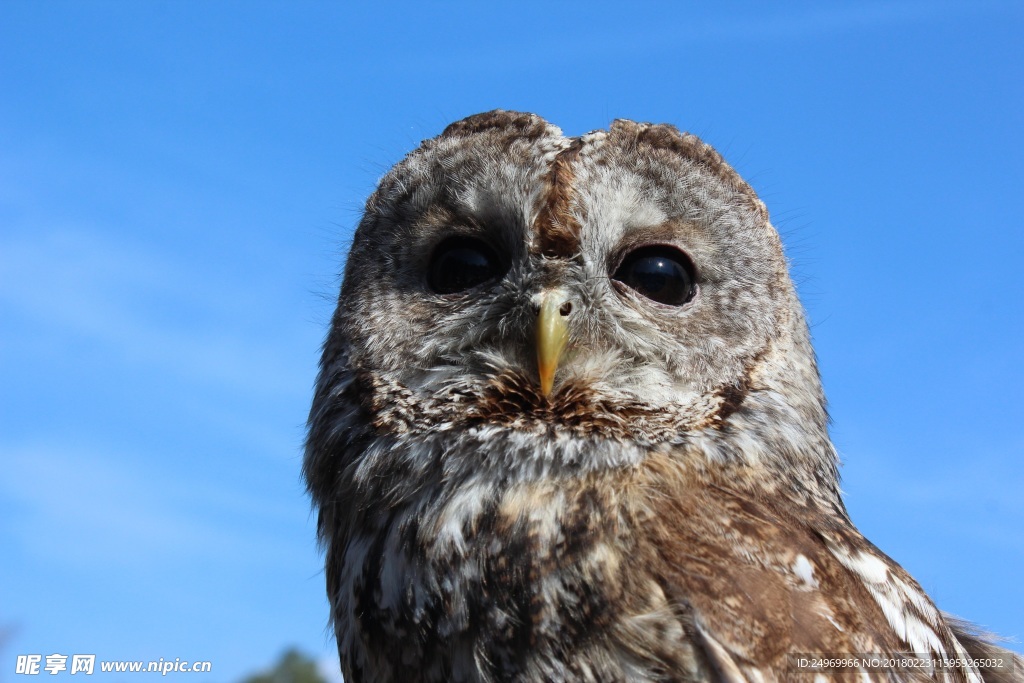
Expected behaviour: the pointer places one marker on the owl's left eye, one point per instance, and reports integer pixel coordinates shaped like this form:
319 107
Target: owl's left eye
662 274
461 263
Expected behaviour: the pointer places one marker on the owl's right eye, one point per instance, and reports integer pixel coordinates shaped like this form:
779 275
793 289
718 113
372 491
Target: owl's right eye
461 263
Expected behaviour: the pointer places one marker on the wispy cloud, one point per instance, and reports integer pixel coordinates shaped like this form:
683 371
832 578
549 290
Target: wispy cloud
147 308
74 505
820 20
656 32
976 497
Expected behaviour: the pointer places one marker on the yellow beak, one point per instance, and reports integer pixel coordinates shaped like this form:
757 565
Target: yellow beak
552 335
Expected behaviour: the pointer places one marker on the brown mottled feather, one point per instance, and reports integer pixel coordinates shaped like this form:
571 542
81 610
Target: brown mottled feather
670 512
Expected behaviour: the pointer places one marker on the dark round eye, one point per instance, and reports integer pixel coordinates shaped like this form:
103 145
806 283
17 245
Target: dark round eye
660 273
461 263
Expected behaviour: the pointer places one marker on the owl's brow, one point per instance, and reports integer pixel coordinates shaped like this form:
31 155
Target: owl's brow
556 229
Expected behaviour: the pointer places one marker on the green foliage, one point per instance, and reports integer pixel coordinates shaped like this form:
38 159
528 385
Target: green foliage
293 667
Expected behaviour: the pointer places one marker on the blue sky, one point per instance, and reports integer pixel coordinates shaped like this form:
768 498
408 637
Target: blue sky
178 183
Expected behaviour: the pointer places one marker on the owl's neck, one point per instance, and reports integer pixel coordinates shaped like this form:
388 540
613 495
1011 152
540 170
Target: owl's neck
387 437
416 469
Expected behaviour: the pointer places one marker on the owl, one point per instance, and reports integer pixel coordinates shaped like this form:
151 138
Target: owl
569 426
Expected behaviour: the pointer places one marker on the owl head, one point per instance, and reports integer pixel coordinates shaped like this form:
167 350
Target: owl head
578 301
